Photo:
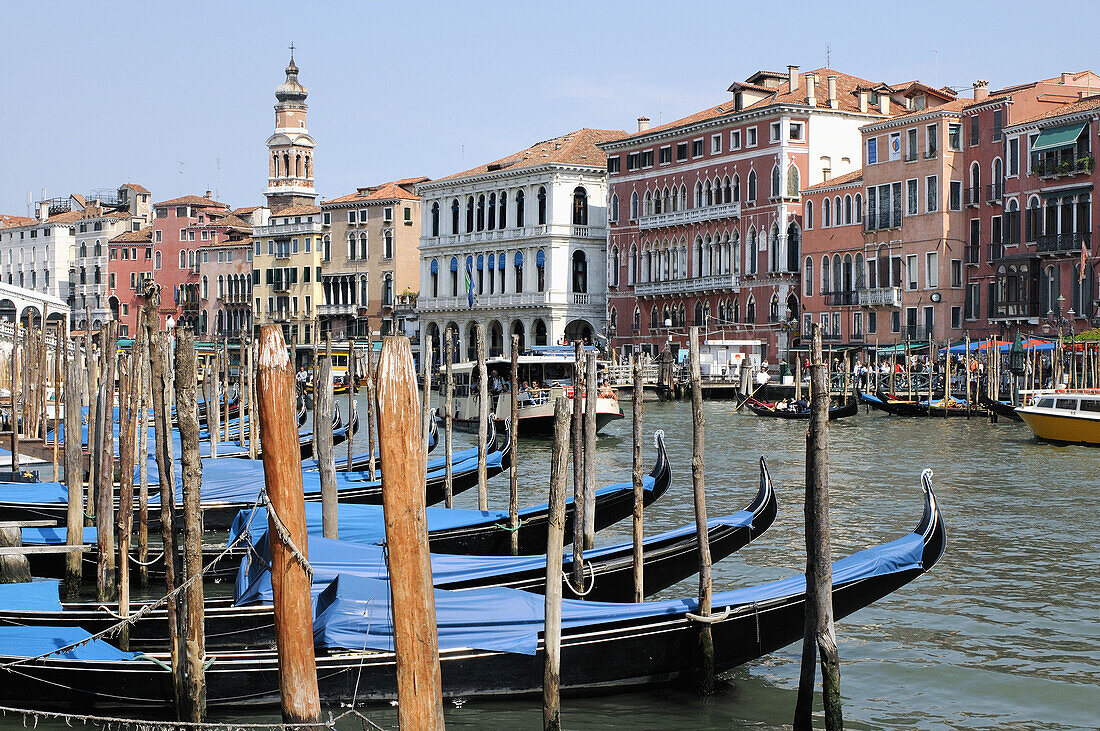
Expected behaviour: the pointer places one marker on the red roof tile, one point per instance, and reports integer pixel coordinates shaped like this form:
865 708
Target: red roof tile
136 188
144 235
575 148
1085 105
856 176
7 221
192 200
394 190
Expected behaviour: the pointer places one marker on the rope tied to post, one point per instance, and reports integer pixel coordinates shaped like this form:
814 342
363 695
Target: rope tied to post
591 586
284 536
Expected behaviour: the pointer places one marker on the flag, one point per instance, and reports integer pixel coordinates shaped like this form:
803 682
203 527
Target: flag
469 284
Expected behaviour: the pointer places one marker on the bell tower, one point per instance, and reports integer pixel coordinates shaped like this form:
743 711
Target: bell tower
290 148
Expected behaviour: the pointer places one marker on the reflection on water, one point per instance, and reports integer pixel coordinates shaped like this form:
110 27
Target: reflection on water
1002 633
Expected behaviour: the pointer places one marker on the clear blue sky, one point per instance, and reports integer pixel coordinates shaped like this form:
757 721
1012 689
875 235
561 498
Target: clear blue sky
96 94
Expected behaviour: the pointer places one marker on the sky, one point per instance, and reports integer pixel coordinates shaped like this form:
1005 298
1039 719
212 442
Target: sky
178 97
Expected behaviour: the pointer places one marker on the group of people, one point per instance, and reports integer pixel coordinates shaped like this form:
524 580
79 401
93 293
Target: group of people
796 405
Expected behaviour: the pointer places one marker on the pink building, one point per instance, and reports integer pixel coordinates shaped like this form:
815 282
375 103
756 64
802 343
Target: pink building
706 211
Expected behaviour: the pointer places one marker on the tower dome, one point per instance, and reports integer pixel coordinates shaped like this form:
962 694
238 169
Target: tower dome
290 90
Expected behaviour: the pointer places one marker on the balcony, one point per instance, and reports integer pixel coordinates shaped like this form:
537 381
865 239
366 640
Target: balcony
1061 166
189 306
237 298
996 251
514 233
972 196
842 298
281 253
342 310
974 254
690 215
279 315
280 285
712 283
994 192
911 156
883 220
880 297
917 332
485 301
1061 243
1016 310
288 229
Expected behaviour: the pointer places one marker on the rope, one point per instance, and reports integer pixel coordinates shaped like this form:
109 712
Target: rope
116 628
150 562
143 725
284 536
711 618
509 528
578 592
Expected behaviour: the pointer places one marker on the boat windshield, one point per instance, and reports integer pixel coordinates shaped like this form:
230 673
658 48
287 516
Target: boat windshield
1046 403
1090 405
1067 403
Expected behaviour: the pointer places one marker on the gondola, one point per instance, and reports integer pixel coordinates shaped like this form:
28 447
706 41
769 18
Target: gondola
668 558
1000 408
450 530
489 640
905 407
761 408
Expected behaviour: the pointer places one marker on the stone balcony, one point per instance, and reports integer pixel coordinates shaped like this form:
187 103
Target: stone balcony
711 283
305 228
513 234
880 297
690 215
502 301
344 310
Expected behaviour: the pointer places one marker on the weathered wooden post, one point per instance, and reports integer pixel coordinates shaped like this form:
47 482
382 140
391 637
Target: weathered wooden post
15 394
513 433
448 418
286 531
426 406
105 493
698 484
819 634
482 420
211 386
372 405
351 395
576 432
187 416
326 459
419 682
555 540
126 434
637 409
144 390
56 383
591 394
74 477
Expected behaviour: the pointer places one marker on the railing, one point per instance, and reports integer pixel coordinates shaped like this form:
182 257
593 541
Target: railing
837 299
1056 243
1016 309
880 297
713 282
829 335
917 332
279 315
690 215
282 253
911 156
189 306
579 298
288 229
973 254
237 298
973 195
994 192
510 234
1054 168
484 301
280 286
931 154
996 251
330 310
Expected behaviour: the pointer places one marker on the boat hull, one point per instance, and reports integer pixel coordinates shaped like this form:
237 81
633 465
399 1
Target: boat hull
1061 428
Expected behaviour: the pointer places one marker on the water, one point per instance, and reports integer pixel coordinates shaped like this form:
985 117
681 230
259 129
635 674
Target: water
1002 633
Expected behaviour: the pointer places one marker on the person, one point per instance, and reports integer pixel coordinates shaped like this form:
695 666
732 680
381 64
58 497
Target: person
496 386
302 376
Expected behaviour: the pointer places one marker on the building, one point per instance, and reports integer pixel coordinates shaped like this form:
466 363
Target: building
35 252
706 211
130 267
106 215
369 257
225 275
518 246
288 233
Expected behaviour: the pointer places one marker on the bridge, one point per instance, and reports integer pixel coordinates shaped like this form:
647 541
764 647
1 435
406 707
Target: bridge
30 306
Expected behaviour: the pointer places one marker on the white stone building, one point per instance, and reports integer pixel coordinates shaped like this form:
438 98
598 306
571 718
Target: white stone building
518 245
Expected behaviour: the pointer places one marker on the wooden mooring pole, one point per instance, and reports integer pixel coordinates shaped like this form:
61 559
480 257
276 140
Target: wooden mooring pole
698 427
351 396
448 417
513 432
555 543
591 395
372 405
125 524
482 420
576 432
143 387
426 405
290 584
105 475
187 416
74 476
637 408
324 403
419 681
819 636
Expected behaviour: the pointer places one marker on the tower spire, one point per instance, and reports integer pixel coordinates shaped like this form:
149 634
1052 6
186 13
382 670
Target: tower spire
290 148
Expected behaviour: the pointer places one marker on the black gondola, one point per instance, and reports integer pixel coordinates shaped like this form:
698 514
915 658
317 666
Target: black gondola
905 407
605 648
760 408
1000 408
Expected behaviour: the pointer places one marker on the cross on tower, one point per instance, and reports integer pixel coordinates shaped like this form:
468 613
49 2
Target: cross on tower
292 50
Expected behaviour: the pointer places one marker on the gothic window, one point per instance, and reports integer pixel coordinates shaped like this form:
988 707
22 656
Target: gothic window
775 181
481 213
614 208
542 206
634 205
792 182
503 222
469 214
519 207
580 206
580 272
454 216
435 218
751 197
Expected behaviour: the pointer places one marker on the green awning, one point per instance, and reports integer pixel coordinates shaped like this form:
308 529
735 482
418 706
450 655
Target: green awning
1053 137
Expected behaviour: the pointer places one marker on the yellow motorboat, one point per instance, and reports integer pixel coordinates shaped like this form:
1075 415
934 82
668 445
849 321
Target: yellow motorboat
1064 416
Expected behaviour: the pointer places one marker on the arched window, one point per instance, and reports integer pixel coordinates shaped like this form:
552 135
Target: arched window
205 287
540 270
221 285
613 267
792 181
286 164
859 208
636 323
736 256
454 216
698 319
751 251
363 246
634 205
480 213
846 281
612 320
808 217
727 190
773 309
775 181
492 222
997 179
860 272
454 276
614 207
838 274
736 188
837 219
519 207
647 204
750 310
773 249
387 290
298 166
736 310
826 276
632 265
518 271
975 182
808 277
435 218
847 209
469 214
503 221
580 206
794 246
156 260
542 206
697 258
654 323
183 259
751 197
275 166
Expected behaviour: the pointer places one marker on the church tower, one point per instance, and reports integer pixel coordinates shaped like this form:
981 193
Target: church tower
290 148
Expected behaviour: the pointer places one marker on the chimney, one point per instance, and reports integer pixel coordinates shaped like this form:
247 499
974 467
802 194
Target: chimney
792 75
43 210
833 101
981 90
1066 77
884 103
207 195
863 100
643 124
811 89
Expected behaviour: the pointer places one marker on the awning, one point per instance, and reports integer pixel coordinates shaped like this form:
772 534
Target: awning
1064 192
1053 137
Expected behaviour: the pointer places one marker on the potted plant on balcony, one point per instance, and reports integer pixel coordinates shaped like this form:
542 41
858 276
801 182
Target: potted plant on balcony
1084 164
1066 167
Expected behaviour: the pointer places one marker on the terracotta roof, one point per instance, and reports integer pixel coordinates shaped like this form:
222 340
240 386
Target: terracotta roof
847 99
245 211
402 189
295 211
1085 105
234 221
79 199
135 187
855 176
910 87
192 200
575 148
142 235
954 106
66 217
8 221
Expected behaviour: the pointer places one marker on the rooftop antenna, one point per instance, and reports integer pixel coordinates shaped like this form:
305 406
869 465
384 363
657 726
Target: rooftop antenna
180 162
218 181
660 108
828 56
30 200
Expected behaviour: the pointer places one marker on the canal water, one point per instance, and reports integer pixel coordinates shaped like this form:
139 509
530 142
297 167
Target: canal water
1004 631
